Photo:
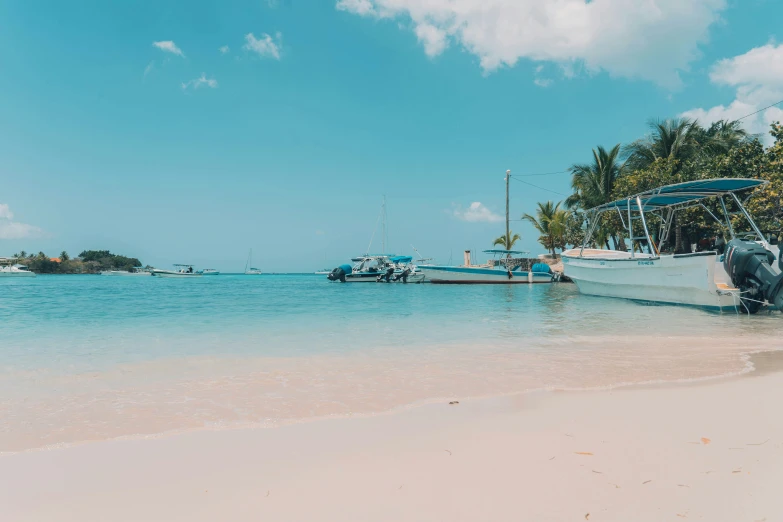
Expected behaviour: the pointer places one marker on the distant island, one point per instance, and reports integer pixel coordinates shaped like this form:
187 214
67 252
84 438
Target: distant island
88 262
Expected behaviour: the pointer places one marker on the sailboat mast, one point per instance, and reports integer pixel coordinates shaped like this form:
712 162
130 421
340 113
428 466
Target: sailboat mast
383 231
508 232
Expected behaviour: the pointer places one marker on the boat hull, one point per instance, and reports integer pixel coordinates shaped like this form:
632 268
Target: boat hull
17 274
372 277
124 274
164 273
459 275
688 279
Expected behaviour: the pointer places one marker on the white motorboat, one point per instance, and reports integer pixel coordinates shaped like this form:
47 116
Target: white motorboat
15 270
179 271
503 270
137 271
209 271
249 270
378 268
747 276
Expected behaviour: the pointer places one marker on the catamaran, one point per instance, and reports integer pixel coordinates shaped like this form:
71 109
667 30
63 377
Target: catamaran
502 270
180 270
745 277
249 270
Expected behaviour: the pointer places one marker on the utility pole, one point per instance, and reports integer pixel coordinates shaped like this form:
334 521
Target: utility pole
508 232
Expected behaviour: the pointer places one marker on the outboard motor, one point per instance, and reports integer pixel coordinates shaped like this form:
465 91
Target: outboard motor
750 267
339 273
386 276
403 275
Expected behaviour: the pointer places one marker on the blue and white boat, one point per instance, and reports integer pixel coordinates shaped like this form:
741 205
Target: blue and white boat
504 270
378 268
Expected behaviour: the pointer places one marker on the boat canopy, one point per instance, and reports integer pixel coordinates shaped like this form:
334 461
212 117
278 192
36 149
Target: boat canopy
502 251
401 259
681 193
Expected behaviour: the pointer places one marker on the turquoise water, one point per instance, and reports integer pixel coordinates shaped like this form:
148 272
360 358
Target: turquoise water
78 351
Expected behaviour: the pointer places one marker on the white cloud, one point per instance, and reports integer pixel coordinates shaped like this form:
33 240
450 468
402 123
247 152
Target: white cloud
10 229
199 82
149 67
757 77
169 47
5 212
433 39
543 82
475 213
360 7
648 39
265 46
224 50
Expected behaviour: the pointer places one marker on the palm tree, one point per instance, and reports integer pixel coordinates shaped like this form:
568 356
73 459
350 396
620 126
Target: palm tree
593 183
22 254
64 256
550 221
678 139
724 135
506 243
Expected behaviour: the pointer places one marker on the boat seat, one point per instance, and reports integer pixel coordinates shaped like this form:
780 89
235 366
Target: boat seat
723 287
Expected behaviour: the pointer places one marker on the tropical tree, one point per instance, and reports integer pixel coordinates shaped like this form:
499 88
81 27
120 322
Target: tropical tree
677 139
593 183
507 243
64 256
22 254
551 222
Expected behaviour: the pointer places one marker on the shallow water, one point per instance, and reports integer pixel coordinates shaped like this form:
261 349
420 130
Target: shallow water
95 357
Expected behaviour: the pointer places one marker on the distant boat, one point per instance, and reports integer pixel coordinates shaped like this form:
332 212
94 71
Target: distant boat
209 271
325 271
16 270
137 271
378 269
179 271
249 270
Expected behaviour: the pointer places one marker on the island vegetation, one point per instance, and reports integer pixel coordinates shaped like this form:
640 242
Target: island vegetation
674 151
88 262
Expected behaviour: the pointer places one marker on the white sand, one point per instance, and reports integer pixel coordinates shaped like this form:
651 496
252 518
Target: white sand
510 459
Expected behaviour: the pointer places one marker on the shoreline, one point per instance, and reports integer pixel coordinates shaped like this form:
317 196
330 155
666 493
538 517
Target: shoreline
765 361
711 450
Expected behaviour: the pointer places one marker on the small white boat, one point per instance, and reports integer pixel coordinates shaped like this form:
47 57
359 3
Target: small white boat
744 278
209 271
179 271
137 271
249 270
15 270
504 271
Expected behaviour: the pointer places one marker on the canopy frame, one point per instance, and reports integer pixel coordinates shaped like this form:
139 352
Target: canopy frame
673 198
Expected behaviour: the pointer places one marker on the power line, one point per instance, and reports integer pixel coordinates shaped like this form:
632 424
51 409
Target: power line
517 176
541 174
758 111
541 188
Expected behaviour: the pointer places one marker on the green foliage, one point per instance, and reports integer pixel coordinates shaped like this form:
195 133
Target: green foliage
64 256
593 183
105 260
508 244
551 222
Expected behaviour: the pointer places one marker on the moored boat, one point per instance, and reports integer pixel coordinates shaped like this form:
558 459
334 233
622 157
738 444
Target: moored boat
136 271
249 270
378 268
503 270
15 270
745 277
209 271
179 271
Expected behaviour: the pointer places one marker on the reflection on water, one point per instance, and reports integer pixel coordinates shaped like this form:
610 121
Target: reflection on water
91 357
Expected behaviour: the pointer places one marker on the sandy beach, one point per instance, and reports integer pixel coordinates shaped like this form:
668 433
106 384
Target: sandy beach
703 451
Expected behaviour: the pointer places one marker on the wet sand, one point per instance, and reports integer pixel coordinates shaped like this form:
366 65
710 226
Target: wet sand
704 451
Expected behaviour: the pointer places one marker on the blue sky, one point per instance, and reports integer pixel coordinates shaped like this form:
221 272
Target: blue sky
125 126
